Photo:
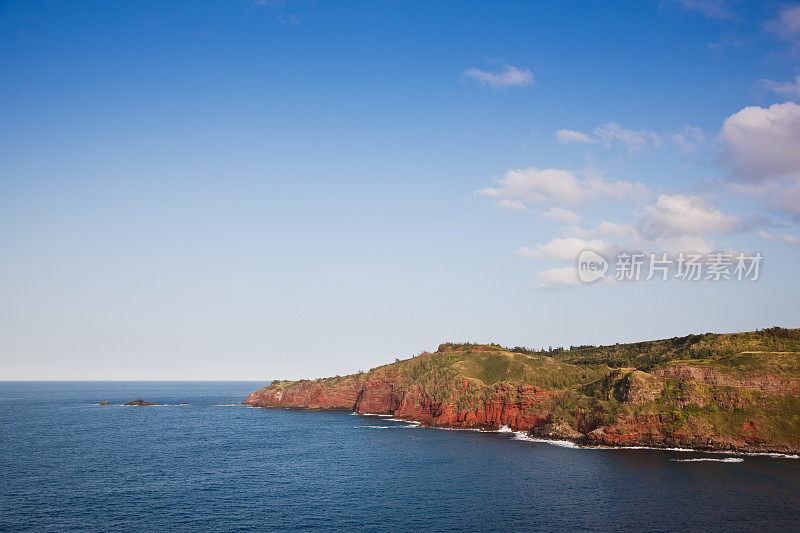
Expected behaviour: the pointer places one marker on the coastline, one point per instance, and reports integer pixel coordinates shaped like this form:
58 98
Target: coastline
566 442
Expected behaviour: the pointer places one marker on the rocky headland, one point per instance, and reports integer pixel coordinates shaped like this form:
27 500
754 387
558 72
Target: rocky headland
722 392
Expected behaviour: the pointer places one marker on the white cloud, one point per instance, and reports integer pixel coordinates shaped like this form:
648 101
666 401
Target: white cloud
791 239
676 215
511 205
556 277
728 41
672 224
621 231
687 244
634 141
788 197
530 185
761 146
716 9
563 215
570 136
576 231
615 189
763 143
566 248
289 20
524 251
787 25
789 88
689 138
508 77
782 193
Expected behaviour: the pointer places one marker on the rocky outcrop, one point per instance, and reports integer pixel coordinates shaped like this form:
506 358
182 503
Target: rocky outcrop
641 388
139 403
104 402
759 382
557 431
657 433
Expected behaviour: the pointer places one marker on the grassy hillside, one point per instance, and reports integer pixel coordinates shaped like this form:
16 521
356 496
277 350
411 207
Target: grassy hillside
709 346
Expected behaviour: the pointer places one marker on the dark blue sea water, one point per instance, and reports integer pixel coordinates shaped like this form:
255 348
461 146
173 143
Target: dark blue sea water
66 464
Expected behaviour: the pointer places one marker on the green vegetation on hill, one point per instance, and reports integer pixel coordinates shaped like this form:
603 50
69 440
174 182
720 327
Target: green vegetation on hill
648 354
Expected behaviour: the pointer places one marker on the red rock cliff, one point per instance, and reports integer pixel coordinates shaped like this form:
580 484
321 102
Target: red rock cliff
465 405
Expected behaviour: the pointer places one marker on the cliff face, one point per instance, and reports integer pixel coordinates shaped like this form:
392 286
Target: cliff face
503 405
739 391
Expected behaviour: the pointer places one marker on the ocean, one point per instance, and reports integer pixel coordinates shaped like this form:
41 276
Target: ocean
69 465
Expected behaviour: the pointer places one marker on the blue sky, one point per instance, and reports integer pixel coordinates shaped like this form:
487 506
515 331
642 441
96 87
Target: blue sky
254 190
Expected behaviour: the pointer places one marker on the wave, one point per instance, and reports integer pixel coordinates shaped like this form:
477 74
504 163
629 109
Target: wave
655 448
391 427
457 429
710 459
521 435
373 414
771 454
413 422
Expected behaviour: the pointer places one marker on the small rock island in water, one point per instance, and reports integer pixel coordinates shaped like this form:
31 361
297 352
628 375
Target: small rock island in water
139 402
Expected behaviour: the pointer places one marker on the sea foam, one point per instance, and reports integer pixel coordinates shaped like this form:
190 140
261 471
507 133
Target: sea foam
710 459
